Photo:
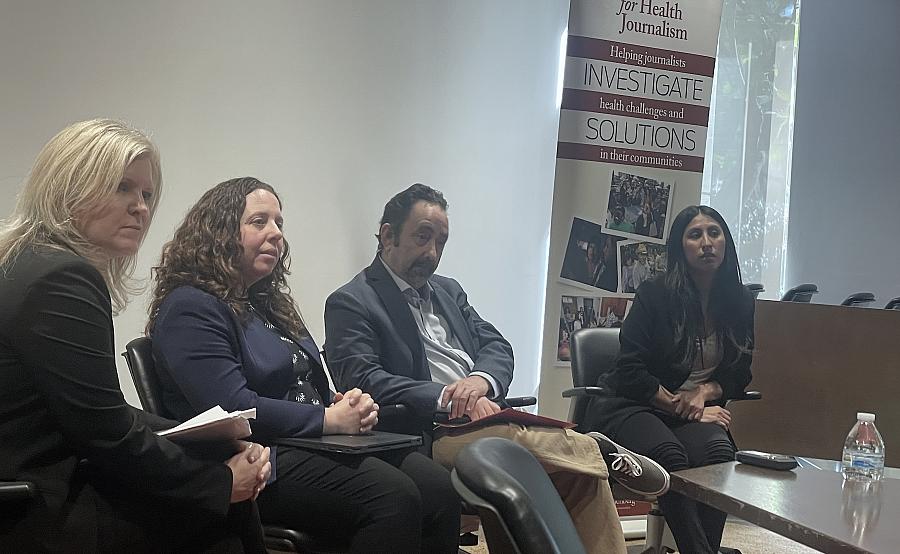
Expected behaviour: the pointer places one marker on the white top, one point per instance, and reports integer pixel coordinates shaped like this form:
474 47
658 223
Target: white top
865 416
447 361
706 360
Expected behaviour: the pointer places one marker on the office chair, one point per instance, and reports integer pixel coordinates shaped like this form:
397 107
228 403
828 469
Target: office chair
594 353
139 356
14 497
858 299
397 418
520 510
800 293
894 304
16 491
755 289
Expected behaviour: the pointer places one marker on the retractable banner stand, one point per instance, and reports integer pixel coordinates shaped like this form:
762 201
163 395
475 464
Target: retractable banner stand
632 133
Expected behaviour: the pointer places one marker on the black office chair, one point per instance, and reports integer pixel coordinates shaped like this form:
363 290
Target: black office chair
397 418
858 299
520 510
139 356
894 304
14 497
800 293
755 289
16 491
594 353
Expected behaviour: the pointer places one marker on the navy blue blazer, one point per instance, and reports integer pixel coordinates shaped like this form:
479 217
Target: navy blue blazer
206 356
372 341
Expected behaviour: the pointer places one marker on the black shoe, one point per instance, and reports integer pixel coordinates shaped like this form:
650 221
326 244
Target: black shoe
633 471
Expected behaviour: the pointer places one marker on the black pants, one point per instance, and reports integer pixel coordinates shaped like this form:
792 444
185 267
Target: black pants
677 444
147 526
392 502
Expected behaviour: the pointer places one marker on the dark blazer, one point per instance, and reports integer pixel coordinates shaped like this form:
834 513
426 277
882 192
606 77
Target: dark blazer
60 402
372 341
647 359
206 356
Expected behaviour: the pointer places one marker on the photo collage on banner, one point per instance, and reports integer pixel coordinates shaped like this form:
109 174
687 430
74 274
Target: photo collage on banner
579 312
632 134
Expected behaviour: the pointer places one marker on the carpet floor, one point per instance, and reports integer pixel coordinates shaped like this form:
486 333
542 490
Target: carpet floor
747 538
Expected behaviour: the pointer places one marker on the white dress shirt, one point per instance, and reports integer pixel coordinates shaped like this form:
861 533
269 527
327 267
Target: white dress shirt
447 361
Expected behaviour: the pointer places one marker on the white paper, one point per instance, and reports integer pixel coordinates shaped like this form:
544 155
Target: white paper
212 415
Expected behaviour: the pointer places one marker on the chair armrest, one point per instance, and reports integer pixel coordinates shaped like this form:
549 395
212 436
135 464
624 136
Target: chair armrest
444 417
393 411
585 391
519 401
16 490
748 395
398 412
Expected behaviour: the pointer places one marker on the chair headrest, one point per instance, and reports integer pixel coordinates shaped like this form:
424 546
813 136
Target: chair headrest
508 477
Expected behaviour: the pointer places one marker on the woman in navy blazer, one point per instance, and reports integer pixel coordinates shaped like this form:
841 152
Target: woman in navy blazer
226 331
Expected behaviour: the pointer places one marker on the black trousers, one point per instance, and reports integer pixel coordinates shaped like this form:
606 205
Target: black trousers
144 525
137 527
397 501
677 444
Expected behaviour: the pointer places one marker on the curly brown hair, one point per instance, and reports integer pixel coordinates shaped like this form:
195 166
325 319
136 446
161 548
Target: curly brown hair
206 252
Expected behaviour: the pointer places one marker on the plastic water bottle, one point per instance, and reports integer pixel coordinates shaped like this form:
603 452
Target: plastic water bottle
863 450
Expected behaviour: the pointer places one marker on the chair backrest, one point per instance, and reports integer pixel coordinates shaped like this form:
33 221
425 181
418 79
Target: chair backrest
800 293
519 507
755 289
858 299
594 353
139 355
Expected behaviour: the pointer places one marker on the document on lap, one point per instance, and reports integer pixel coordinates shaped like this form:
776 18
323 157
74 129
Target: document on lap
215 424
511 415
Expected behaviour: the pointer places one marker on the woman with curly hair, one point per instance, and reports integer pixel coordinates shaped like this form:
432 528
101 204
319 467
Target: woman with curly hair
226 331
105 482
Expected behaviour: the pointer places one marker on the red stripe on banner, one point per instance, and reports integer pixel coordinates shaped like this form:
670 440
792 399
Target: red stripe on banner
633 54
625 156
630 106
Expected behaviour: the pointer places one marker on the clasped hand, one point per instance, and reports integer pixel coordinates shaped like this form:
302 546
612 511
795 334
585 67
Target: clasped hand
469 397
250 469
350 413
463 395
691 405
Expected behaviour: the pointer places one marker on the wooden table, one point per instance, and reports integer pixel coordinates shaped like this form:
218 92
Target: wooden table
811 504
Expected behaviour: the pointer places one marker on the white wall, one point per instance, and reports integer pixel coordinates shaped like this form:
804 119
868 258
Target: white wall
337 104
845 189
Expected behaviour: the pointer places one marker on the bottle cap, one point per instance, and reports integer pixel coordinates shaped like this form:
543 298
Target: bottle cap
865 416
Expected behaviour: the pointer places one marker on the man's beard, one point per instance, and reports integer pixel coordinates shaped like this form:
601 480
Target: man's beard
423 268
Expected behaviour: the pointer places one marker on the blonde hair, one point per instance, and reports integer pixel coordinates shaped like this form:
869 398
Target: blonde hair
78 171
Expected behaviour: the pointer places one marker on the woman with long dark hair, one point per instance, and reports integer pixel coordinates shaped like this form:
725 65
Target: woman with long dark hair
686 348
226 331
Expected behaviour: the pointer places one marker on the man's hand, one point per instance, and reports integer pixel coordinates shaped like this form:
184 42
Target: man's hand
483 408
463 394
717 415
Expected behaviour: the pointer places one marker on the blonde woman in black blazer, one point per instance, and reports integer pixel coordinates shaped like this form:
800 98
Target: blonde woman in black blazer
105 481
